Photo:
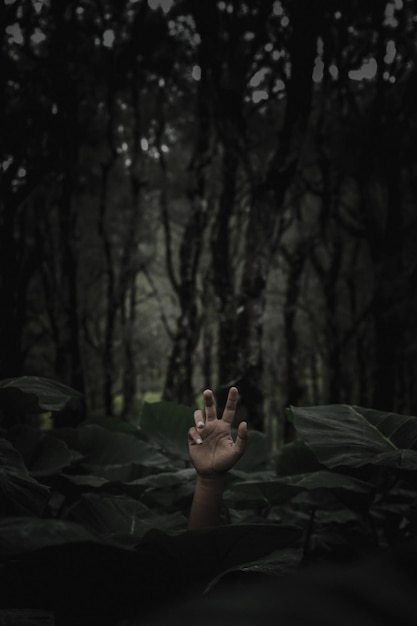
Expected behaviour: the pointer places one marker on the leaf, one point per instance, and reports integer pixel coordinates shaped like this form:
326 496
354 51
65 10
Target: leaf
114 516
43 454
296 458
165 489
35 394
256 454
19 493
167 424
103 447
277 563
205 553
323 479
249 494
116 424
24 534
107 584
353 436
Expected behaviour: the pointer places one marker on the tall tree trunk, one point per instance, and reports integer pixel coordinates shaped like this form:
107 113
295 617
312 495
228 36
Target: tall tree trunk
267 202
293 388
179 376
68 354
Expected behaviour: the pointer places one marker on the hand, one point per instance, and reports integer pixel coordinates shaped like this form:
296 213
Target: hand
211 446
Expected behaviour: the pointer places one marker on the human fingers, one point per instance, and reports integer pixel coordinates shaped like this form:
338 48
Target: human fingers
194 437
242 438
198 419
230 408
209 405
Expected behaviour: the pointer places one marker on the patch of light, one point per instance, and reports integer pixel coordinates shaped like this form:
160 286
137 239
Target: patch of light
279 86
153 153
258 77
108 38
366 72
285 20
38 36
128 162
164 148
277 9
196 72
259 95
334 71
268 47
21 172
165 5
38 6
318 70
15 34
390 52
7 163
390 19
144 144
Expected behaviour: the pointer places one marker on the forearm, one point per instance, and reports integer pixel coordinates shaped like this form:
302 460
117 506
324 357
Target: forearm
207 502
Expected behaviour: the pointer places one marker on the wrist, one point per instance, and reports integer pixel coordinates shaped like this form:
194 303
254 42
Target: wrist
211 481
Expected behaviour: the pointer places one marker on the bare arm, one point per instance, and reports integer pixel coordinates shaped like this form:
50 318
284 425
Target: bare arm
213 452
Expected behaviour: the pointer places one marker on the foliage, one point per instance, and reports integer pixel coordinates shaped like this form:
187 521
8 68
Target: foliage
94 518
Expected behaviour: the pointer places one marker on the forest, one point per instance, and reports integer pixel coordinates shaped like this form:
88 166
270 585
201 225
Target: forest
197 194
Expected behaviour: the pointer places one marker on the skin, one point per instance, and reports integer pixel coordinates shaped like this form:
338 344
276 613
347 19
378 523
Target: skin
213 452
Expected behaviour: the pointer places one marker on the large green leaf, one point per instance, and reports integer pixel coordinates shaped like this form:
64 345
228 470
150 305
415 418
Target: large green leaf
257 493
164 490
207 552
19 493
256 455
114 516
114 423
43 454
25 534
353 436
296 458
35 394
278 563
100 446
167 424
87 581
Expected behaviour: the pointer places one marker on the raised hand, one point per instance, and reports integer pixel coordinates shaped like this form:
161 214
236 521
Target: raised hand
212 449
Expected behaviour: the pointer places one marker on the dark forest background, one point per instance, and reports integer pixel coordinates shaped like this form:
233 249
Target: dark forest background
199 193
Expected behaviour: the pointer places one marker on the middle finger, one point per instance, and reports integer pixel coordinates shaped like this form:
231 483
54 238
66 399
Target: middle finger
210 405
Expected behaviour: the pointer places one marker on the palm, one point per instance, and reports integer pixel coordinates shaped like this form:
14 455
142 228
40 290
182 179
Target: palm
217 452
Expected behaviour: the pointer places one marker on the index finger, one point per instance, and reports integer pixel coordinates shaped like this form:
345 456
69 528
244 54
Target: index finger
230 408
209 405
